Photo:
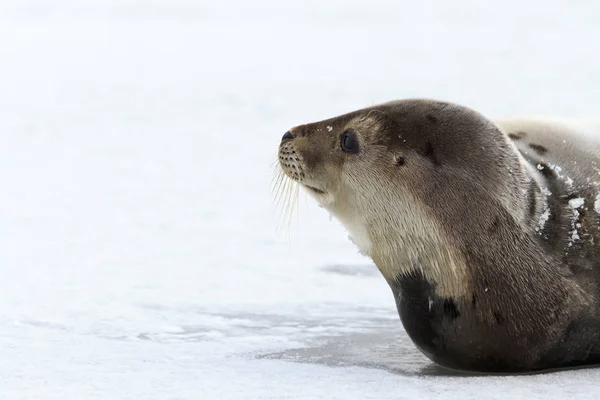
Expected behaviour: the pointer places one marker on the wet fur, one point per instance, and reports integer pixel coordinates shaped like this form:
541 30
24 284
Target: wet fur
448 205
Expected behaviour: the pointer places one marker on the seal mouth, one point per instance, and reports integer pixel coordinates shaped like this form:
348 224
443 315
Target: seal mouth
292 164
314 189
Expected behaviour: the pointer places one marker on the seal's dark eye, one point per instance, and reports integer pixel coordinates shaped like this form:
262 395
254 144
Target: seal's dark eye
349 142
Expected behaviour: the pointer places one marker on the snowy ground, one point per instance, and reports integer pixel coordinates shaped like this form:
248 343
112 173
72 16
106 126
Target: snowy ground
139 255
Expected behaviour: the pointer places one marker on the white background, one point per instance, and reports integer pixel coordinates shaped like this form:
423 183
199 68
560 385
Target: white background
139 251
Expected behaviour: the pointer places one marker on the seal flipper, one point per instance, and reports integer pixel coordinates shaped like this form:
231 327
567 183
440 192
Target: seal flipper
437 324
426 316
412 293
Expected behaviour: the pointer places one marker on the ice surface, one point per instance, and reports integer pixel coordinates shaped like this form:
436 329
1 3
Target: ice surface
139 252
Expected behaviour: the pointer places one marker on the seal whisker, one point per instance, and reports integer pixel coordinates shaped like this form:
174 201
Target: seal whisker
276 190
280 187
284 202
280 202
294 203
279 183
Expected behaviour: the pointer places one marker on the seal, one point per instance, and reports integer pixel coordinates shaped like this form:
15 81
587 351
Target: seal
487 231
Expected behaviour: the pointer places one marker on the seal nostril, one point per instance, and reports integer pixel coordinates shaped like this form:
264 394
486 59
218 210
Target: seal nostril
286 136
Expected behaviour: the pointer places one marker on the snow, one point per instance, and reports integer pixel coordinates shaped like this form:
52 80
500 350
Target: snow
576 202
558 171
141 256
543 219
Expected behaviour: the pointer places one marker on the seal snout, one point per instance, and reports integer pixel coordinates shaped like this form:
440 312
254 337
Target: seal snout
289 159
293 165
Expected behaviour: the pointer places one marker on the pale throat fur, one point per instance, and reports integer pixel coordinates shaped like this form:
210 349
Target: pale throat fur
410 240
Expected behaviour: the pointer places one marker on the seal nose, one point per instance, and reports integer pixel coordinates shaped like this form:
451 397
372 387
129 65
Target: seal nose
286 136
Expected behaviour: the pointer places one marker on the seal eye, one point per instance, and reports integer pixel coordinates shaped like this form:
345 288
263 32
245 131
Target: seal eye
349 142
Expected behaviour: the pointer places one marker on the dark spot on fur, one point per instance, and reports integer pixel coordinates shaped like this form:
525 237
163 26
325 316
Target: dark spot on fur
572 196
517 135
432 119
545 170
538 148
499 318
450 309
428 152
473 301
531 193
400 160
494 225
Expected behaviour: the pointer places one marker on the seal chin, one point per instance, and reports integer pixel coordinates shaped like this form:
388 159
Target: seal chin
322 197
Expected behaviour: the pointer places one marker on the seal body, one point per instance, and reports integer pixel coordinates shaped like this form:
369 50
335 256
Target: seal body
487 232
